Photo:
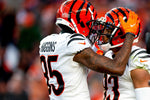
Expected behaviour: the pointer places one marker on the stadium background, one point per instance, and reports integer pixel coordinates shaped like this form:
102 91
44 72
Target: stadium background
23 23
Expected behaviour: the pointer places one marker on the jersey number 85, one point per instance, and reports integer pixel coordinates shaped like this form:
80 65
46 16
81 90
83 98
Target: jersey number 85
49 73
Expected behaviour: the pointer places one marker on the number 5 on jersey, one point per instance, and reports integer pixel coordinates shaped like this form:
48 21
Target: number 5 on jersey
49 74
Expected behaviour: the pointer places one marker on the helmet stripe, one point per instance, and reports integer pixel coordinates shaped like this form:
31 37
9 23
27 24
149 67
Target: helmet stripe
92 14
78 14
115 13
127 10
123 13
109 15
75 26
92 17
91 11
69 16
88 5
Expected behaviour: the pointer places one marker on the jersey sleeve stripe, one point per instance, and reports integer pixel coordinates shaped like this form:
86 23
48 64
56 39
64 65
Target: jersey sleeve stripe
73 39
133 51
146 56
74 35
139 53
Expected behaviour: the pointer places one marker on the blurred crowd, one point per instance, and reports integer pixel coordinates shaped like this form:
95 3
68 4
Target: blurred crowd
23 23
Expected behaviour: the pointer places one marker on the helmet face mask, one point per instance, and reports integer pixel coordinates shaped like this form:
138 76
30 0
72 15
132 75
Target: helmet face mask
94 33
106 31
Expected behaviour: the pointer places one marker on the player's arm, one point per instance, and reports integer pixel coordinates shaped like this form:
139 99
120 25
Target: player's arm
103 64
140 79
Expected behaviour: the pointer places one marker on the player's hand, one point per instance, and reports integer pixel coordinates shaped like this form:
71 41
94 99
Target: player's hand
132 24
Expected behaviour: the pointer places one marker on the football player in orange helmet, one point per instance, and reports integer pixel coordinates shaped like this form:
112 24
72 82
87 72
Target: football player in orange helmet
133 84
65 56
115 34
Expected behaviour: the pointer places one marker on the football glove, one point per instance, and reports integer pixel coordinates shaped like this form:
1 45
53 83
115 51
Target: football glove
132 24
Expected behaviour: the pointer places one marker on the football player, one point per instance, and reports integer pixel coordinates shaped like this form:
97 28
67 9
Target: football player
133 83
66 56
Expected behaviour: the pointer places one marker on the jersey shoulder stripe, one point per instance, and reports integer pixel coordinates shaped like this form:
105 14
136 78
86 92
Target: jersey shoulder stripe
75 37
146 56
141 53
139 59
133 51
77 34
74 40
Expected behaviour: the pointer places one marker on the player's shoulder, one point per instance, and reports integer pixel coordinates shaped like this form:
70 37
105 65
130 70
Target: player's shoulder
76 42
138 52
75 37
139 58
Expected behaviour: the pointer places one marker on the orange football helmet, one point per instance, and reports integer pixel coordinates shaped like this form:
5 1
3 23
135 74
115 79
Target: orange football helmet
111 21
77 16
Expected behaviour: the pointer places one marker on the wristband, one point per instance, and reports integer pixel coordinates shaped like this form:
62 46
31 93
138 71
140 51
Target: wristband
130 33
